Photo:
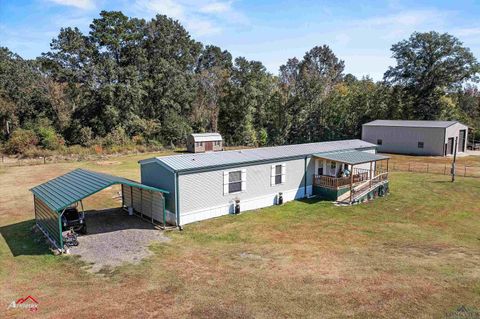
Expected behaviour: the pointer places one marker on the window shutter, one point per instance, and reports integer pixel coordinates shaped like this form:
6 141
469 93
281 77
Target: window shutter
225 183
244 180
272 176
284 173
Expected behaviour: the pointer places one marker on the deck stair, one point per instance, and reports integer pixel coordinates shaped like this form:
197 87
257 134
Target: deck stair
360 191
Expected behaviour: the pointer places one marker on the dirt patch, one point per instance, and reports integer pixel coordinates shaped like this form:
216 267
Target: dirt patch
107 163
114 238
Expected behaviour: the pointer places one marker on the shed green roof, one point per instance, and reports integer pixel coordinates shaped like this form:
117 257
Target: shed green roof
76 185
352 157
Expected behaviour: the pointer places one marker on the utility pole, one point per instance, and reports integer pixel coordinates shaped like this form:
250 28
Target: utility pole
454 159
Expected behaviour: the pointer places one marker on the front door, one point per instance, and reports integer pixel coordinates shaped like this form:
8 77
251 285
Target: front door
208 146
320 171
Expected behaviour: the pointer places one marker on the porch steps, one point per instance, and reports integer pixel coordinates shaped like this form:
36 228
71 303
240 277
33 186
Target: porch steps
346 196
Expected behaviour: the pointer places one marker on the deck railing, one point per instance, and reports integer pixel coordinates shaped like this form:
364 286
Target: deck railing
359 175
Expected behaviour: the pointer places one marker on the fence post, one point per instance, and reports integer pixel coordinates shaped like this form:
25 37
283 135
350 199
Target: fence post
427 167
44 161
465 171
409 167
445 169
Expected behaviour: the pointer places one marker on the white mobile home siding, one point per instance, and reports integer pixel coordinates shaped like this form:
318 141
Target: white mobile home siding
201 194
404 140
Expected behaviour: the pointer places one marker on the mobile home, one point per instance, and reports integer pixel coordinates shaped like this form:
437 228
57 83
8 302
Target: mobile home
207 185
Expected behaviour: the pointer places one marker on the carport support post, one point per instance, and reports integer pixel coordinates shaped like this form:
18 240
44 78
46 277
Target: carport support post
60 229
164 212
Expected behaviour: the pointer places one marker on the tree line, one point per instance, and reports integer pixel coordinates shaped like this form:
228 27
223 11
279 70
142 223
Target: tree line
132 81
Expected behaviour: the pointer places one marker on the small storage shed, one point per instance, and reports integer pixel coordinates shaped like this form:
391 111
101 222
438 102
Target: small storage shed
204 142
53 197
432 138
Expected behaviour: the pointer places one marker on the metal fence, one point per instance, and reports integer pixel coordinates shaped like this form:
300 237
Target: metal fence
433 168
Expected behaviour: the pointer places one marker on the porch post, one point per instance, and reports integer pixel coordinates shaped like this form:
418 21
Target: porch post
351 184
370 174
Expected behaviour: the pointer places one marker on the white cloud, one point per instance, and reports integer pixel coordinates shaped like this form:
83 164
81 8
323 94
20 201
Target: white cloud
468 32
404 22
81 4
168 7
216 7
406 18
200 17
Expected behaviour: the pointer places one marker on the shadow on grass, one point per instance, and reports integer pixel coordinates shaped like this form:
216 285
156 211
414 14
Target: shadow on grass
314 200
22 240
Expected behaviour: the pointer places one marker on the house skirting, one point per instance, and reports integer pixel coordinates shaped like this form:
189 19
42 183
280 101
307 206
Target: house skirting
329 193
245 205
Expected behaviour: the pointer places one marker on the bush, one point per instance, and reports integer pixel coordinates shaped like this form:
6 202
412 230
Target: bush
115 138
85 136
20 141
49 139
138 140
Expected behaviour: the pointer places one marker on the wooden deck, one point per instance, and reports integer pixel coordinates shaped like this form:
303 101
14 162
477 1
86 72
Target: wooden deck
359 175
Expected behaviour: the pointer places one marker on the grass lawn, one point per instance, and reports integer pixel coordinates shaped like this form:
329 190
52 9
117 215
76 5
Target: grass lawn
413 254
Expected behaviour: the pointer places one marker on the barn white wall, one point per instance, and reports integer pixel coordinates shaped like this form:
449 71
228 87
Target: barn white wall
404 140
453 131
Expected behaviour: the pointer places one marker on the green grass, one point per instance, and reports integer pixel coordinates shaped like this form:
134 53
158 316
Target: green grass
412 254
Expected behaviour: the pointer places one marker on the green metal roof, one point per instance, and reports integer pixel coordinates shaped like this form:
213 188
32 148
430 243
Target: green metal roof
352 157
67 189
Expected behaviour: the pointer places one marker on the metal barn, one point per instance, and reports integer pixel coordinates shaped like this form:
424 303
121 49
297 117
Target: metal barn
428 138
53 197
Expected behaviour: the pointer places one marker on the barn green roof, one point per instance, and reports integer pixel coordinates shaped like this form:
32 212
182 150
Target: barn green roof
78 184
352 157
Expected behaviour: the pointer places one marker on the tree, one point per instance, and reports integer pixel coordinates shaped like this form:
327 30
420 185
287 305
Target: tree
214 68
307 84
428 66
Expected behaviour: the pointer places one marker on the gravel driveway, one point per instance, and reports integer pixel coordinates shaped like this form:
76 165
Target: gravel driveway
114 238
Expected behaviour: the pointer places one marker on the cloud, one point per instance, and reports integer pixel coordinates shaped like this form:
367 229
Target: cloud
200 17
406 18
468 32
404 22
80 4
168 7
216 7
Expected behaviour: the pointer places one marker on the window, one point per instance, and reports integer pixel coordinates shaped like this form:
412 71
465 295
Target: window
333 165
234 181
199 144
420 144
379 142
278 174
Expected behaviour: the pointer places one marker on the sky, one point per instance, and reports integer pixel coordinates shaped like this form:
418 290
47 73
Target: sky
271 31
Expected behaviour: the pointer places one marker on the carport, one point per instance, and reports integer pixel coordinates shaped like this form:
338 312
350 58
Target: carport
53 197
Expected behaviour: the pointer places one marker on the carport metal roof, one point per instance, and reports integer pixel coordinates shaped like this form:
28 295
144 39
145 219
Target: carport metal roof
352 157
76 185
